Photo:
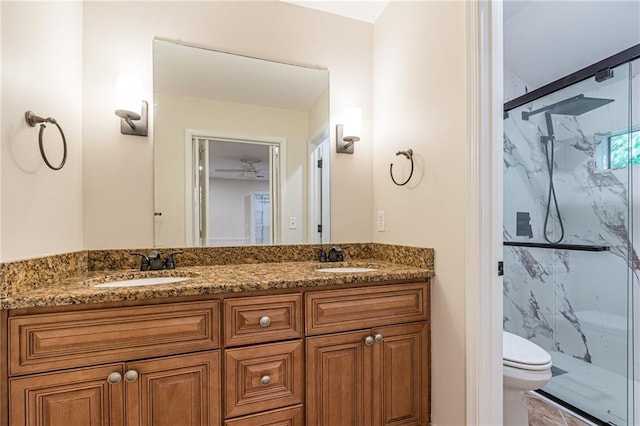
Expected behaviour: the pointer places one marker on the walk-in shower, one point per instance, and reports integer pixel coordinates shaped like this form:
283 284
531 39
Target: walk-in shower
571 194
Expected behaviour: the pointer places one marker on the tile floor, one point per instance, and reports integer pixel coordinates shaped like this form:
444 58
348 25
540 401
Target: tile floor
541 413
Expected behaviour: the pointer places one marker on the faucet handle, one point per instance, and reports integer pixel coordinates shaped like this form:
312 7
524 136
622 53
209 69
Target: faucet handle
336 254
170 263
145 264
322 255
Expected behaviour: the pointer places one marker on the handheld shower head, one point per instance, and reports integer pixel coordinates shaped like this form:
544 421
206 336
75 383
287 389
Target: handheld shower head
574 106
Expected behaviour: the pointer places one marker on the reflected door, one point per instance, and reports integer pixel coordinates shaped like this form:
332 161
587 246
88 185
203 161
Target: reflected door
235 192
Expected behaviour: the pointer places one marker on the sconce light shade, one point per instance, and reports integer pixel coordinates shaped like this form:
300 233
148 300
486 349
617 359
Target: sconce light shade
128 96
348 133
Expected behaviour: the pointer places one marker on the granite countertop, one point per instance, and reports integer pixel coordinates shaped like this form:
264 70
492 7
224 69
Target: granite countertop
203 280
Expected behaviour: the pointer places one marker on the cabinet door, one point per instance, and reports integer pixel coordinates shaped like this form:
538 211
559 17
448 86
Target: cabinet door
401 375
339 380
180 390
81 397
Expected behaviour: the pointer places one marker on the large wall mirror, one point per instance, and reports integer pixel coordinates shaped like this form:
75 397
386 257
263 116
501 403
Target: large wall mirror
241 149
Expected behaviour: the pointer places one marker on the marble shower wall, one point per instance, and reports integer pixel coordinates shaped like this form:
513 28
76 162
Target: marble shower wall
571 301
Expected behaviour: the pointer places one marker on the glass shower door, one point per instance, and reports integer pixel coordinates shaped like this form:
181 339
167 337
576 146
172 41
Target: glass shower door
569 260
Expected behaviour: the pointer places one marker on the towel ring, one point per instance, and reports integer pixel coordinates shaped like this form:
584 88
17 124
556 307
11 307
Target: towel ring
409 156
32 120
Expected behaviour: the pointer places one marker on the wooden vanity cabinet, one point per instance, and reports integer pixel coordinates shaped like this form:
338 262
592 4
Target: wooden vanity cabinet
68 398
264 360
180 390
144 388
382 373
348 357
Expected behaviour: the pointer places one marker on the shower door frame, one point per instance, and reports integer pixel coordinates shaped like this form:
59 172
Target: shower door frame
597 70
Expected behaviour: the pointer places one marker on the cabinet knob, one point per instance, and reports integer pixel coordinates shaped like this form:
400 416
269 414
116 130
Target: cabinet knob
265 321
265 380
130 375
114 378
368 341
378 338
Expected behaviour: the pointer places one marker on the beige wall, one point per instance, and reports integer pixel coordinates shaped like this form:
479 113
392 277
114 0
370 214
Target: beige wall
42 72
177 113
419 86
118 173
1 149
319 116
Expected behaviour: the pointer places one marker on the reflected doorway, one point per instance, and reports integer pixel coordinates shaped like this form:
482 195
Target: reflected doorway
319 197
235 192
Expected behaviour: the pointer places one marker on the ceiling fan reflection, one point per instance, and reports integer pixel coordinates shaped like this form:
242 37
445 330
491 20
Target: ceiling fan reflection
247 170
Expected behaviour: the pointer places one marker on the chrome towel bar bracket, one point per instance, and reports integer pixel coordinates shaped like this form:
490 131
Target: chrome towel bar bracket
33 119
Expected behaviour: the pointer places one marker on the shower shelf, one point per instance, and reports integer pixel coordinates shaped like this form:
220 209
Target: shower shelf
577 247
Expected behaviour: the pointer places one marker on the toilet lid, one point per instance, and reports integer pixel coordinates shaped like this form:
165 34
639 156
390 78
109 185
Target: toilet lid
521 353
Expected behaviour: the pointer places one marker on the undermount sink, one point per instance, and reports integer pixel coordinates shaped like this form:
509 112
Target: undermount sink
142 281
346 270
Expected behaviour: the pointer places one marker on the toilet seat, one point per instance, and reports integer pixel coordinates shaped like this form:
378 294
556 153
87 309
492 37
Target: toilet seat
522 354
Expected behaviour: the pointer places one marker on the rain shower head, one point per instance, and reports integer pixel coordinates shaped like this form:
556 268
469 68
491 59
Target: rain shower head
575 106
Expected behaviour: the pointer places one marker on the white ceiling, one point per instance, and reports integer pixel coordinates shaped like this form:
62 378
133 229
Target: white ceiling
228 155
203 73
544 40
547 40
361 10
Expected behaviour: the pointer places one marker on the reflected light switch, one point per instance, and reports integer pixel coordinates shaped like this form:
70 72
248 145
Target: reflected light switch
293 222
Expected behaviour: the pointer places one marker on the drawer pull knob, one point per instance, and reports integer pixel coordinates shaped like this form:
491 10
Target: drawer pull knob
265 321
378 338
368 341
130 376
114 378
265 380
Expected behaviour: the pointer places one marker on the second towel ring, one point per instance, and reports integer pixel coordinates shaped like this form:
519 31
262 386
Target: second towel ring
409 156
32 120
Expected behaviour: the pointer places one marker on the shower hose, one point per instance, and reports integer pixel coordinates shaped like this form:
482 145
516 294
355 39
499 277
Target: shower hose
552 193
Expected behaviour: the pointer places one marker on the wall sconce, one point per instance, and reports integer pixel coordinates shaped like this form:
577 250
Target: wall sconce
128 96
349 133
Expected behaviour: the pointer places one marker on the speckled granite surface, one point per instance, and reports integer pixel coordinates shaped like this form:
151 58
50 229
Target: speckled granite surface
69 278
195 256
41 272
210 280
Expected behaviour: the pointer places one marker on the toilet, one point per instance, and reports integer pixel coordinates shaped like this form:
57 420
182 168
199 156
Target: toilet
525 366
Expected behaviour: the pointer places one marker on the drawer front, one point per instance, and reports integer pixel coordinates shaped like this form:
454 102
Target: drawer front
263 377
62 340
284 417
262 319
353 309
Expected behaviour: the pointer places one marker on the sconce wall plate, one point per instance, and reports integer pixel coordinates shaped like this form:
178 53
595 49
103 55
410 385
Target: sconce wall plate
132 123
344 146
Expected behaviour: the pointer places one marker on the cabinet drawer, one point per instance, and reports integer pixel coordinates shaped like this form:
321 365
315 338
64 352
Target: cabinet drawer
284 417
352 309
262 319
263 377
72 339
